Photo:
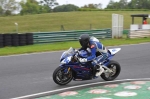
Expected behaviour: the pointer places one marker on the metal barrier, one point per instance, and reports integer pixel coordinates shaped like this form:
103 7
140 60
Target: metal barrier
126 31
139 33
49 37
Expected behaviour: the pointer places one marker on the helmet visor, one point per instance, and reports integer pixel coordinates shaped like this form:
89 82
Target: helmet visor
84 44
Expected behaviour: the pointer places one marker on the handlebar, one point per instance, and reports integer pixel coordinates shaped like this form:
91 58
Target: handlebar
76 56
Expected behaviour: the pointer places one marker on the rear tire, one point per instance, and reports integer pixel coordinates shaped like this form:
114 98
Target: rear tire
60 77
116 72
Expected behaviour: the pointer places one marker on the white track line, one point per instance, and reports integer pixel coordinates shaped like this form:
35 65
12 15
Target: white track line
32 53
57 90
63 50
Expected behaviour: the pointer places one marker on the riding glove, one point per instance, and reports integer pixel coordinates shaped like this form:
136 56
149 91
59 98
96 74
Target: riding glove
82 60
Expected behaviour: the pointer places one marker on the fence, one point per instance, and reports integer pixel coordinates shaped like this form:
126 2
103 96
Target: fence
49 37
139 33
16 39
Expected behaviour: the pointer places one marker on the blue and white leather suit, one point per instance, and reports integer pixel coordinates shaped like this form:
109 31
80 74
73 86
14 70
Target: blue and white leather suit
98 51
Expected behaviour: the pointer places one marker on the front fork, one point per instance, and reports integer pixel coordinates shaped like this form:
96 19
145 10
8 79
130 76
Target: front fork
67 70
105 65
105 68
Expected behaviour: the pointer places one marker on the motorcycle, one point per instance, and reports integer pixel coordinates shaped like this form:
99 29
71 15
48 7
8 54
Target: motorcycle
71 69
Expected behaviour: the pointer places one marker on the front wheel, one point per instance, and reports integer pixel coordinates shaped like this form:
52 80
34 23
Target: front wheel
115 67
61 77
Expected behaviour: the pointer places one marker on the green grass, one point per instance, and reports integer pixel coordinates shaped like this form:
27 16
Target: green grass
71 21
65 45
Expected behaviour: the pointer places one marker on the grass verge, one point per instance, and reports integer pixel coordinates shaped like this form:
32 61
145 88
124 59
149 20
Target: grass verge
70 20
65 45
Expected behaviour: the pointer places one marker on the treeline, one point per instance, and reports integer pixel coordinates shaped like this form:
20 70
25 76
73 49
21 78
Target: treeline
90 9
9 7
133 4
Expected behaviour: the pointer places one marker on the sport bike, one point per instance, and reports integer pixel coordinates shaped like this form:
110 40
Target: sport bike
71 69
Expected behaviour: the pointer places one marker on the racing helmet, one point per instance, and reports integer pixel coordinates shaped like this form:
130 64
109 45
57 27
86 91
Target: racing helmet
84 40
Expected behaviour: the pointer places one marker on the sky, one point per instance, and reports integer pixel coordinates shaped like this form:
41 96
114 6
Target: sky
83 2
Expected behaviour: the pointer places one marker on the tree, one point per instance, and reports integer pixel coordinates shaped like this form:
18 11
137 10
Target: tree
32 7
139 4
50 3
93 6
2 2
98 6
133 4
123 4
9 6
66 8
8 12
44 9
85 6
1 10
111 4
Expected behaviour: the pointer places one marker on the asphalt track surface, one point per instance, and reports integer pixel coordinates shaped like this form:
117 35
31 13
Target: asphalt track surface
29 74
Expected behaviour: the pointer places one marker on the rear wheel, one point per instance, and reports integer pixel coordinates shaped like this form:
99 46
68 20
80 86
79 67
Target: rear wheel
62 78
115 67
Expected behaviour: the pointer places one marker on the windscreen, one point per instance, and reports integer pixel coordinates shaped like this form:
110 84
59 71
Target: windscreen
67 53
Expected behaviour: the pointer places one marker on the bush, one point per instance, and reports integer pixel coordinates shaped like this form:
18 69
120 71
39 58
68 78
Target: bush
89 9
65 8
8 13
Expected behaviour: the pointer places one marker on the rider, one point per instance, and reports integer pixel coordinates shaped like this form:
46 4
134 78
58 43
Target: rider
97 50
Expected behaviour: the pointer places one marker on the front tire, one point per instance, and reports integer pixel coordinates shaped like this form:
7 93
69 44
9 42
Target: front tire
62 78
115 67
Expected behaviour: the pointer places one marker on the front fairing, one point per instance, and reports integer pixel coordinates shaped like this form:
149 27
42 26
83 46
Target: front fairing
70 64
106 62
68 53
66 60
63 56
